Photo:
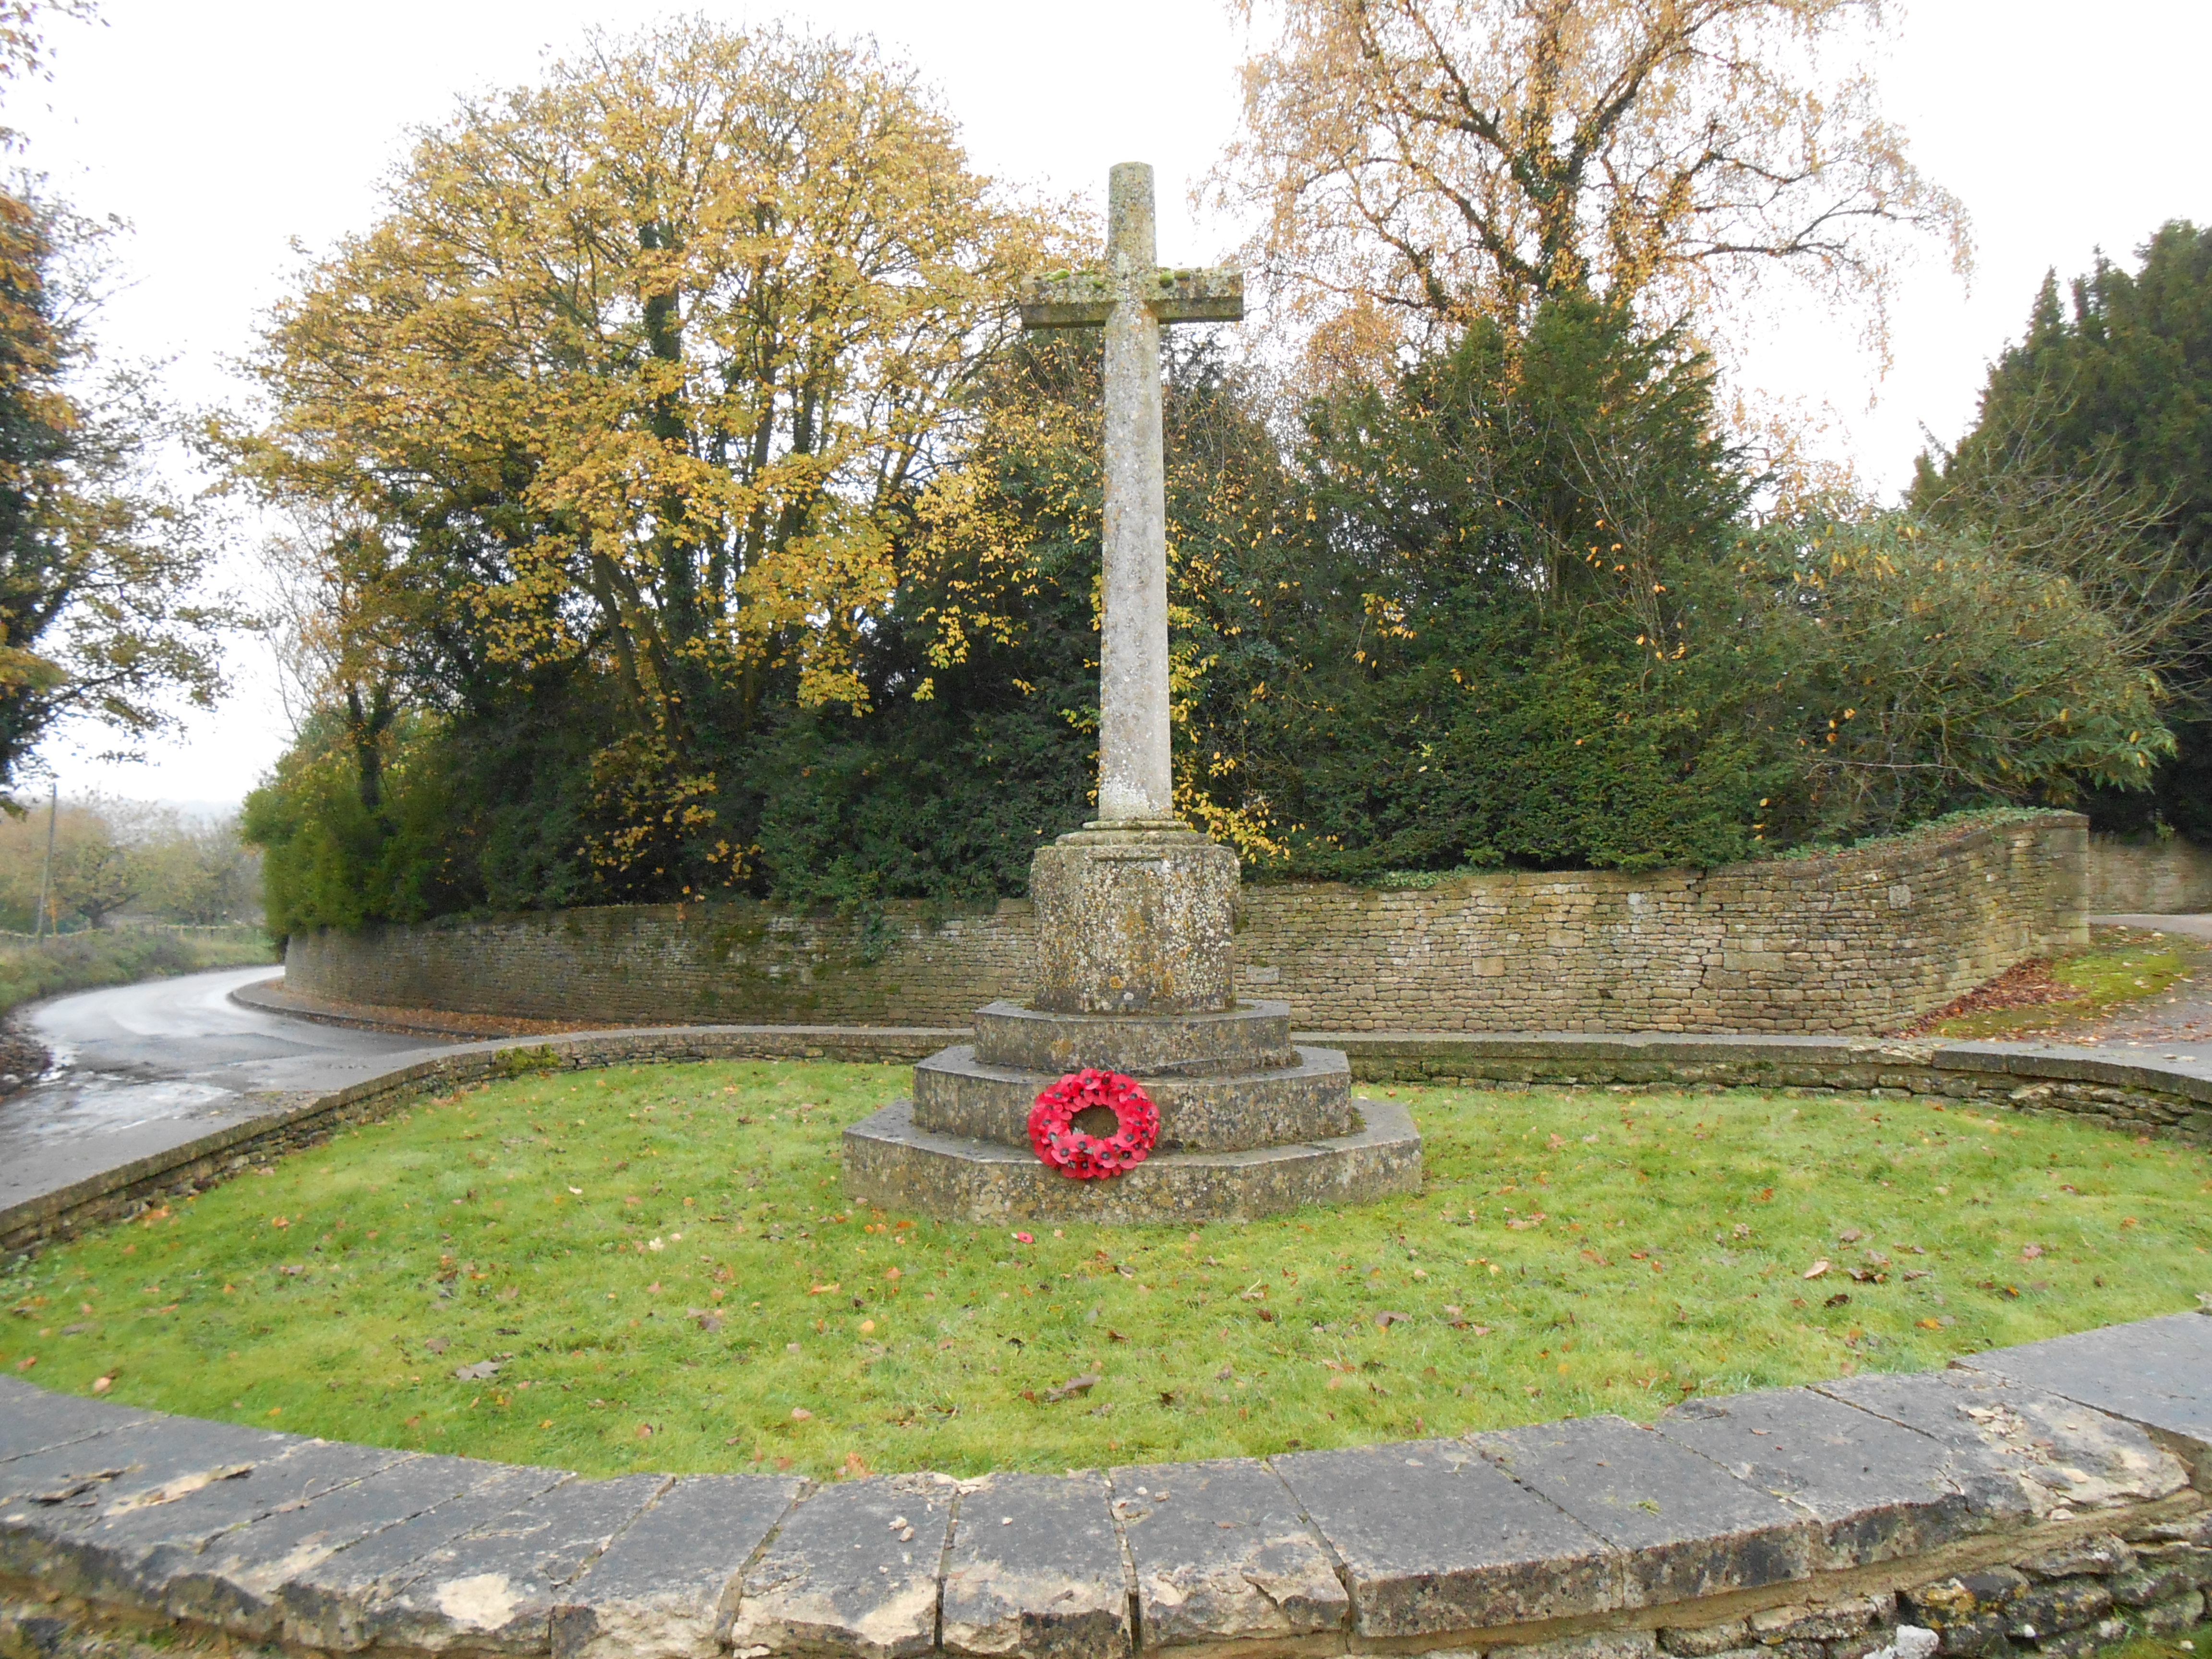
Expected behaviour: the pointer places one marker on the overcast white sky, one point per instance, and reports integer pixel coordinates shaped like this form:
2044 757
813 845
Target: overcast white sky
223 130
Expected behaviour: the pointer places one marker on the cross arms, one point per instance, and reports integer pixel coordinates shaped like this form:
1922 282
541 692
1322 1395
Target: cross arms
1083 298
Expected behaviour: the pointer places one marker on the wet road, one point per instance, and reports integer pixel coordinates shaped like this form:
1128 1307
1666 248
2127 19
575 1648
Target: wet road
138 1068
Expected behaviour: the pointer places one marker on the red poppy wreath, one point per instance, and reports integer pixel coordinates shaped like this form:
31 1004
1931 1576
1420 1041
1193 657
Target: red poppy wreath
1084 1157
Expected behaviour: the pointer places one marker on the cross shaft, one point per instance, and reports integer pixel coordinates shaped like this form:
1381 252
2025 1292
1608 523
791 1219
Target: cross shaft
1131 298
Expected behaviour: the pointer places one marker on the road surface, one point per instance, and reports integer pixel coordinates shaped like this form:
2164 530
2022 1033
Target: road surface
138 1068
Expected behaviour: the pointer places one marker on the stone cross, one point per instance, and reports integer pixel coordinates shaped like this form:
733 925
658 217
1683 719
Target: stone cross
1130 299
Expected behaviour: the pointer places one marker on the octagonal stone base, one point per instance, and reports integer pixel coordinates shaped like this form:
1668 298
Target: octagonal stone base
894 1166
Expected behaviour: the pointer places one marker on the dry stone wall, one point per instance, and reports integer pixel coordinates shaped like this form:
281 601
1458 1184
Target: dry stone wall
2128 876
1860 941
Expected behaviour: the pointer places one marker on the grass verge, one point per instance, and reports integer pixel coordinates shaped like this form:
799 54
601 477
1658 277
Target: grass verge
652 1268
30 968
2124 966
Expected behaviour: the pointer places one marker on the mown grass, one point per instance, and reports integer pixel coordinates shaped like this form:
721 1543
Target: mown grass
2125 966
658 1261
30 968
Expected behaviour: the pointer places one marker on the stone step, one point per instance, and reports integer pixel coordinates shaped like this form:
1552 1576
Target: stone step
1249 1037
956 1094
893 1164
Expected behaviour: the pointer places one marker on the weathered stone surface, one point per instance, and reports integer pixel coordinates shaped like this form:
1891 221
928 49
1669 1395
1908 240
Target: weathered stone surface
1036 1570
2074 1645
2155 1372
53 1494
956 1094
893 1166
1830 1621
1961 1597
1877 1490
1598 1645
2052 1453
2049 1609
236 1581
1134 922
1703 1641
1250 1037
1685 1526
2168 1618
334 1602
139 1547
1435 1537
854 1569
1222 1554
2103 1554
493 1590
666 1588
36 1419
2163 1578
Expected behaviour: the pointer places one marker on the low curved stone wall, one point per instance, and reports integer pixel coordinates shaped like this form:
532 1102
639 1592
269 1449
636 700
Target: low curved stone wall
1860 941
2045 1499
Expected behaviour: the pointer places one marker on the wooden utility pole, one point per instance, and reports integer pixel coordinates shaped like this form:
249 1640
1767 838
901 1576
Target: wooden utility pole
47 879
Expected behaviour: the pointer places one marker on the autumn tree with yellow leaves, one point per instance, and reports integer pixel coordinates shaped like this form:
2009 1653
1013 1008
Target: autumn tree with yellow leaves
634 380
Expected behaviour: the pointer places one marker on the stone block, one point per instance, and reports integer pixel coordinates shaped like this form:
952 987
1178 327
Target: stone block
493 1590
666 1588
145 1549
2154 1372
2018 1450
2159 1581
1685 1526
853 1570
892 1164
1704 1641
1221 1553
36 1419
2076 1643
2052 1608
1830 1621
2171 1618
1945 1603
1036 1571
1249 1036
237 1580
56 1494
2102 1554
956 1094
1134 922
1434 1538
334 1603
1875 1490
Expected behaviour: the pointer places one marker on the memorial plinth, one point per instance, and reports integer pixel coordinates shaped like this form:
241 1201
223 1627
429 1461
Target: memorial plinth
1136 968
1136 963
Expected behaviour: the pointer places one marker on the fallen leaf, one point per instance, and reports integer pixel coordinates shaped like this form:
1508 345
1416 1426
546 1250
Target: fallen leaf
436 1345
478 1372
2029 1252
1387 1319
1837 1299
824 1290
1931 1324
1817 1269
800 1414
1071 1387
1850 1235
102 1384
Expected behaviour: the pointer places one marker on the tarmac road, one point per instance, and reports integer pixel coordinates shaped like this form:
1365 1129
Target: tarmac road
138 1068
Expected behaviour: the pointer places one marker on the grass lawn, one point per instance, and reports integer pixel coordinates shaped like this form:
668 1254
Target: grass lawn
652 1268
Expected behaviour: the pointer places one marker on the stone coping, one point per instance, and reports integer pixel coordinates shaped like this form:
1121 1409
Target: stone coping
2023 1498
2141 1095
